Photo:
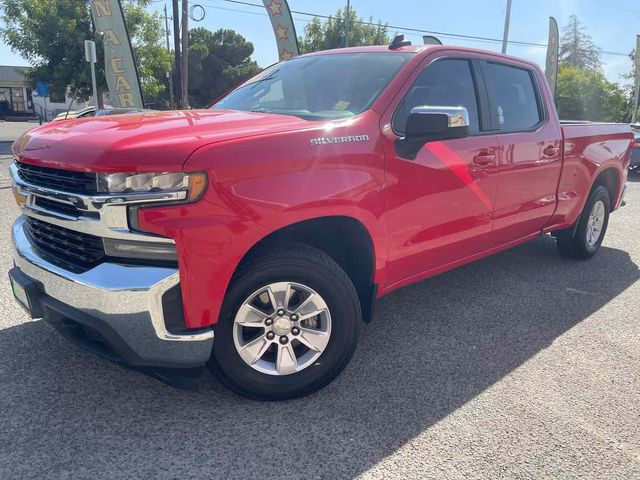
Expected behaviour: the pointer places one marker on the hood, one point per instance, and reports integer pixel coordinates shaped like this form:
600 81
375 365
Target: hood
142 142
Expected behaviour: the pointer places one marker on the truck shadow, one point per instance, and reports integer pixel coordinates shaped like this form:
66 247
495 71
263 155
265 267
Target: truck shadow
431 348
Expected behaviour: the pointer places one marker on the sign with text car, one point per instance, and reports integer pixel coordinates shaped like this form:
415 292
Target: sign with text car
120 68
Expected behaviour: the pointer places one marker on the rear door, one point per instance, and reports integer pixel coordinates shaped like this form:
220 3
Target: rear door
440 202
530 156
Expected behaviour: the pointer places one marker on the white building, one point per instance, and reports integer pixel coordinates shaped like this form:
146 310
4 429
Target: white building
14 92
17 98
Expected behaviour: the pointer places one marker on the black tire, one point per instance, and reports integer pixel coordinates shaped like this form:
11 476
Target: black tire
573 242
291 263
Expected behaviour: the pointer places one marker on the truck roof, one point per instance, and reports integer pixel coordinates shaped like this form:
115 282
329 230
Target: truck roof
420 50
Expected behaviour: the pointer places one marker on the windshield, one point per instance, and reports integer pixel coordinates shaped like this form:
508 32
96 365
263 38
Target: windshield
317 87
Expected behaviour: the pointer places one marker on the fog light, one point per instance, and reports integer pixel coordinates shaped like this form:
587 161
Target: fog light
142 250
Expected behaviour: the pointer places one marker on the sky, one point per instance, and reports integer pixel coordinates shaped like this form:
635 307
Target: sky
613 24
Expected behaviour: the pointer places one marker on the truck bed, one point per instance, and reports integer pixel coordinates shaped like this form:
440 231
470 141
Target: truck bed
589 148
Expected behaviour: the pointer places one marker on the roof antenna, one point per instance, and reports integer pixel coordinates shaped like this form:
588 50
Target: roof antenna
398 42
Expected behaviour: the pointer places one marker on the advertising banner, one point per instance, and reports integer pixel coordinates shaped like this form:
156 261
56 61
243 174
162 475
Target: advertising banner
283 28
553 48
120 68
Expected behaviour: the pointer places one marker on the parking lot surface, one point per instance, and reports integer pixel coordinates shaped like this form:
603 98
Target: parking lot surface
9 131
522 365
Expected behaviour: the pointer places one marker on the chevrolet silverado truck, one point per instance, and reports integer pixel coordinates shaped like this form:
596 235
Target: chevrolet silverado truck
255 236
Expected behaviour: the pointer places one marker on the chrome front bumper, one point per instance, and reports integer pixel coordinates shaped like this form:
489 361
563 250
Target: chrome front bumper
124 299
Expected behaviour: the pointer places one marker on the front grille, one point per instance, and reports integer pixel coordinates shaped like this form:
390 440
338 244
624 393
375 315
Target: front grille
63 180
72 250
60 207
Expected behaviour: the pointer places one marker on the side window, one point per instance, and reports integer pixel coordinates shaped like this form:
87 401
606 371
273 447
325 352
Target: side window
444 83
514 95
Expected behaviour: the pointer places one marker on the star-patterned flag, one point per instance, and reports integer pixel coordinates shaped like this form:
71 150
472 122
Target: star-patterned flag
283 28
553 46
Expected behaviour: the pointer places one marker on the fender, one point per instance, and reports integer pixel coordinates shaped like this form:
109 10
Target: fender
262 184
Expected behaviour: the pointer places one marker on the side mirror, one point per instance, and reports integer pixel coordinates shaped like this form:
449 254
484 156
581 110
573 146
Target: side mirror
428 123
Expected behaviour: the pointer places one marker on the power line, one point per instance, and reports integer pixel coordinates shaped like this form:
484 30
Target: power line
619 8
305 20
401 28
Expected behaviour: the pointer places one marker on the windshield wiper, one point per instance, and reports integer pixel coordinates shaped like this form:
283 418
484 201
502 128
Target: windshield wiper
291 113
268 77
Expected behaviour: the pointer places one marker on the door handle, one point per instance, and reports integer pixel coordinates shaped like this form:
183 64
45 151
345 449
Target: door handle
550 151
485 159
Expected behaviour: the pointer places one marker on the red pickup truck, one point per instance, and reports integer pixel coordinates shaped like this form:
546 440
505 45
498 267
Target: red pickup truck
255 236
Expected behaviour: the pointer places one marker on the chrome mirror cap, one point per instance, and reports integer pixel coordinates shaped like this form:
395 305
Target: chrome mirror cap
456 116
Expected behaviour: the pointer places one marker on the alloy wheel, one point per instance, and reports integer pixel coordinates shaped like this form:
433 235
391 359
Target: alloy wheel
282 328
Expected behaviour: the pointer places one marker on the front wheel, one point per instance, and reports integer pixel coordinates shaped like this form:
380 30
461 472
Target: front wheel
585 241
289 325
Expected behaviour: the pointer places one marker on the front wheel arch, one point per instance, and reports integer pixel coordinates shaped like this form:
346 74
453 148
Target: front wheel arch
345 239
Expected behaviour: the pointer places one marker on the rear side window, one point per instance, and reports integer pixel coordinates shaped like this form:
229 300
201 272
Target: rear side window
444 83
515 101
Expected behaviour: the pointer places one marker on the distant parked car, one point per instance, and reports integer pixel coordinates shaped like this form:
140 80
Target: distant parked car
82 113
92 112
121 111
634 166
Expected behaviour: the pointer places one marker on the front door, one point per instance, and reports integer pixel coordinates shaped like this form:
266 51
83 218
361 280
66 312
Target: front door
440 203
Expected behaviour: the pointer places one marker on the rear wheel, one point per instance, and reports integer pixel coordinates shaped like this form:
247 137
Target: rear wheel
585 240
289 325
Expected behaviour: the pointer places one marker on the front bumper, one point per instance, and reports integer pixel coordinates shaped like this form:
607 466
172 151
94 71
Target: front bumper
112 309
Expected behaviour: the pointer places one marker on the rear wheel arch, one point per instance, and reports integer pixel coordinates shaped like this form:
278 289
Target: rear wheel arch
575 242
610 179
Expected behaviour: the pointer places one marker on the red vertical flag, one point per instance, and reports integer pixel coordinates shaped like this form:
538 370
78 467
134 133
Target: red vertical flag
283 28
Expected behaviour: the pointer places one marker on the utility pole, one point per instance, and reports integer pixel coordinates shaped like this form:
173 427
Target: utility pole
185 54
507 20
166 31
177 58
347 22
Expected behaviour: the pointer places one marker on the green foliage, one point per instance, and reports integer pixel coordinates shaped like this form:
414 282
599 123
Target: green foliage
583 91
50 34
631 80
330 33
217 62
147 39
586 95
633 85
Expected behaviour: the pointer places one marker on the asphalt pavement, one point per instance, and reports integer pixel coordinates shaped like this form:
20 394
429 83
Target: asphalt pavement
521 365
9 131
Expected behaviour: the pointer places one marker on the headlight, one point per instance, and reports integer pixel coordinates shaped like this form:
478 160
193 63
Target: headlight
192 183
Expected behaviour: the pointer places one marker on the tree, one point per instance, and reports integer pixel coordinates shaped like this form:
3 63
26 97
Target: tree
217 62
631 78
330 33
577 48
587 95
50 34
